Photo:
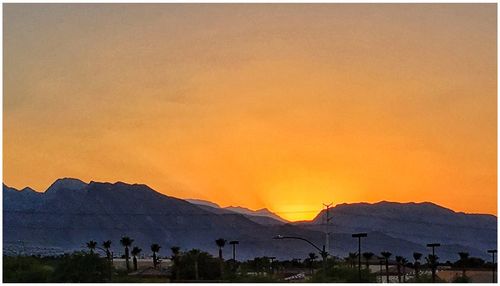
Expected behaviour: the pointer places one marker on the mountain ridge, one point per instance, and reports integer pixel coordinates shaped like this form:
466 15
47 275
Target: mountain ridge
74 182
65 219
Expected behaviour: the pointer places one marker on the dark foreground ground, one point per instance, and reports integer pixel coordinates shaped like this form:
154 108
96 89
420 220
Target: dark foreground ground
197 266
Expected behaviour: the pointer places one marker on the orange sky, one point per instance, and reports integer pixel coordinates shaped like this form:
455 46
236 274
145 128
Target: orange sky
277 106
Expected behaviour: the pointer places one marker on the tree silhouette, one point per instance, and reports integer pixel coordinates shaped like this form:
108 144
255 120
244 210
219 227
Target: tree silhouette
386 255
221 242
195 253
352 258
175 257
107 245
91 245
126 242
368 256
464 259
135 252
432 260
155 248
312 257
404 261
416 264
399 259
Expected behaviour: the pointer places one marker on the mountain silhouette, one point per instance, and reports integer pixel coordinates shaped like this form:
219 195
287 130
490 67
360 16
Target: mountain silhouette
261 216
416 222
71 212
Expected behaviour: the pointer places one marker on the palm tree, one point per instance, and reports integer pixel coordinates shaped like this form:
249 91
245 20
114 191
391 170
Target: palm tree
464 257
135 252
155 248
126 242
404 261
175 257
195 253
386 255
398 264
368 256
91 246
221 242
432 261
107 245
416 257
312 257
352 258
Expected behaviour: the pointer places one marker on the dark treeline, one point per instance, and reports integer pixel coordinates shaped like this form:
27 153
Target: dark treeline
96 265
197 265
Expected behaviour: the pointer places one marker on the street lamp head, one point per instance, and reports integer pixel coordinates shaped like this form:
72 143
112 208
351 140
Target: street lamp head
362 234
234 242
433 244
278 237
492 251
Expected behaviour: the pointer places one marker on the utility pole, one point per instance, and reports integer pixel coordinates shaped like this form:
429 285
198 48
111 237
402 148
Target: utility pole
493 251
327 227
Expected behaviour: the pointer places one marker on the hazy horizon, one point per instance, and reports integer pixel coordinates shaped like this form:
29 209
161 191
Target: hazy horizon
277 106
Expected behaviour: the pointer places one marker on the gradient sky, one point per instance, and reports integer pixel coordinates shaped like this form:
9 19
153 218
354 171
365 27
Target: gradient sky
277 106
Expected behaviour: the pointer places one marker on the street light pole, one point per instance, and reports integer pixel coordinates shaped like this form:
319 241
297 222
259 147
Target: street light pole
233 243
322 252
493 251
359 236
433 245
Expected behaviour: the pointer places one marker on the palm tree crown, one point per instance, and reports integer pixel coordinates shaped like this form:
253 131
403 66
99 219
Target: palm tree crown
417 256
107 245
221 242
175 250
136 251
91 245
155 247
313 256
386 254
368 255
126 241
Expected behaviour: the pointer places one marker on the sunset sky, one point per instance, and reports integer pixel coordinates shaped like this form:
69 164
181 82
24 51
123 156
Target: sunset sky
277 106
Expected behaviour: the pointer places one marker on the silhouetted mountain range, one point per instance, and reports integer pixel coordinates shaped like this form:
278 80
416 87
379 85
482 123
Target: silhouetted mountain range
71 212
416 222
261 216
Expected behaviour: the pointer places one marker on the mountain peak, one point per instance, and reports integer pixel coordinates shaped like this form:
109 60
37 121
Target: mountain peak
264 211
203 203
28 189
67 184
119 185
